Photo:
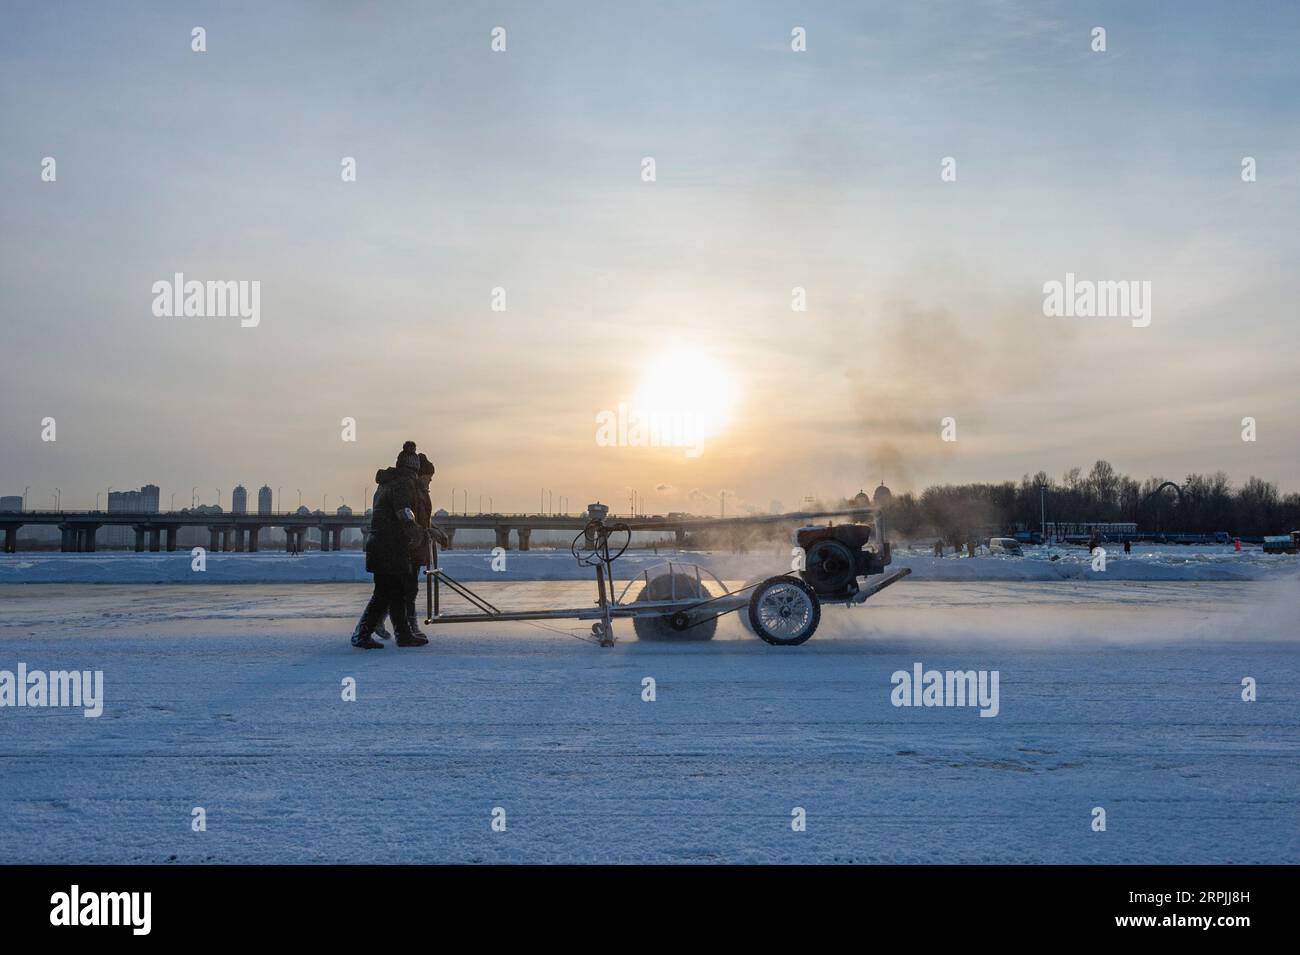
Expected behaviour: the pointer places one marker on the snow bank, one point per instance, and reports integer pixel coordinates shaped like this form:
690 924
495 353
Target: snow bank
1146 563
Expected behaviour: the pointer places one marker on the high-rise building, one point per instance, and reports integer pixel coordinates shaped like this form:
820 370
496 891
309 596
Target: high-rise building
11 502
264 499
143 501
239 500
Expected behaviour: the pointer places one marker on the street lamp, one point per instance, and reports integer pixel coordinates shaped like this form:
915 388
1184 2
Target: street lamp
194 498
173 503
277 497
323 499
218 490
299 496
25 490
58 499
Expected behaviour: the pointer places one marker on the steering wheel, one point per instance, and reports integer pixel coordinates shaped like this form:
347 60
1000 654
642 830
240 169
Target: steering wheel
599 552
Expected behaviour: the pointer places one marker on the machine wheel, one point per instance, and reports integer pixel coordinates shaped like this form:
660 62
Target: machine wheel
693 625
784 611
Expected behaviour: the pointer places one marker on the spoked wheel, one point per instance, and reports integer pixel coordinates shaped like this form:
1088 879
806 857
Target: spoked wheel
683 625
784 611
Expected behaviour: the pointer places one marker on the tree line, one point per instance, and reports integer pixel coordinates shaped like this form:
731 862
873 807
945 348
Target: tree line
1201 503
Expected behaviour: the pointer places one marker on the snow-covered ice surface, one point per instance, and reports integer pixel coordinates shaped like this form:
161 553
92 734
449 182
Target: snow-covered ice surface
1147 562
1120 695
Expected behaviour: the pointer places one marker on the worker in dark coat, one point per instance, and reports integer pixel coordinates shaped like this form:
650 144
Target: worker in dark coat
419 551
393 531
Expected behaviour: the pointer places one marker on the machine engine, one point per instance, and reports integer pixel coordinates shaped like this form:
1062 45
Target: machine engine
836 556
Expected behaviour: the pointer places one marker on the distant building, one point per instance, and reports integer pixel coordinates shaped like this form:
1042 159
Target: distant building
303 511
344 511
11 502
883 495
861 499
143 501
239 500
1061 529
264 501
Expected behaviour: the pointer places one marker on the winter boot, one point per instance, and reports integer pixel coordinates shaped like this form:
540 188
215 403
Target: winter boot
405 636
413 621
362 636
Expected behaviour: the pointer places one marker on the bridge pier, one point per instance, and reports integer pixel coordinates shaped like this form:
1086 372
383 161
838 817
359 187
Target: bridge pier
252 538
11 538
525 534
66 542
139 538
336 539
503 537
239 539
295 539
680 535
214 540
88 533
155 539
451 537
172 532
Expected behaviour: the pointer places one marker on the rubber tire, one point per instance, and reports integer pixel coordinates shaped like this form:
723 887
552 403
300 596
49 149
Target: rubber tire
756 597
743 615
660 627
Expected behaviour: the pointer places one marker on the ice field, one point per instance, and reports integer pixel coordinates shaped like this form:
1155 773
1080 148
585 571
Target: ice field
1121 695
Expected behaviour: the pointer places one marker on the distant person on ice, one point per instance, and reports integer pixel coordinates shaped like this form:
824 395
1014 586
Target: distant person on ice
393 531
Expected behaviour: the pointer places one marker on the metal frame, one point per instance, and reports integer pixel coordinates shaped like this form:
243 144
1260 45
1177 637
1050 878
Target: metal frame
607 609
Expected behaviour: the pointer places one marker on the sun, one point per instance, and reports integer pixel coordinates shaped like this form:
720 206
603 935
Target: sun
686 383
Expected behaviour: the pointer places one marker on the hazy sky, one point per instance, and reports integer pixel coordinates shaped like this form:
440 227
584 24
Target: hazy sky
523 170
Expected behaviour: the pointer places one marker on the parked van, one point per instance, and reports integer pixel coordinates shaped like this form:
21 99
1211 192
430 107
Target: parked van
1005 545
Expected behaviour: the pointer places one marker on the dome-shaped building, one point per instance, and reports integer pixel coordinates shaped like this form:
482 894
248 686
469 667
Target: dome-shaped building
883 495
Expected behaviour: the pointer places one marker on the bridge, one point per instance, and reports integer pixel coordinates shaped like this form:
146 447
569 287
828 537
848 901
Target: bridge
156 531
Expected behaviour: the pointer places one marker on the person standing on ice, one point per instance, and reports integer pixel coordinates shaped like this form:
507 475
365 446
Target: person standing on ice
393 531
419 551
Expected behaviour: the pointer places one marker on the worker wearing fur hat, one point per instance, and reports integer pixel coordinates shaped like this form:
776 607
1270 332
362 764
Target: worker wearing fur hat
393 531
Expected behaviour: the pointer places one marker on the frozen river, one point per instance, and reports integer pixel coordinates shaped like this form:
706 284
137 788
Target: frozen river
1120 696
